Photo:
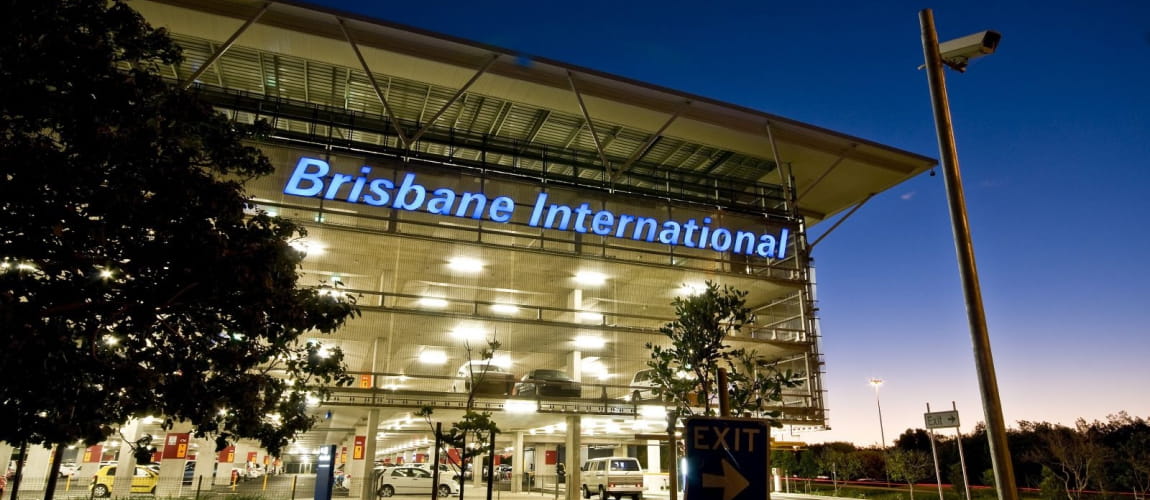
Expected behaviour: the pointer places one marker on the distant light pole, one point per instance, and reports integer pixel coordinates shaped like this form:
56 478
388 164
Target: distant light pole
955 54
876 383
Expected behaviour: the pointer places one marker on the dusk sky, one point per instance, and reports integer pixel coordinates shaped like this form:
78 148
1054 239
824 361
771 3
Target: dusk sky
1053 137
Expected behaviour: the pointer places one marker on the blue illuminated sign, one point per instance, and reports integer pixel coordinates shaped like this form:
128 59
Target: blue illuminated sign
310 179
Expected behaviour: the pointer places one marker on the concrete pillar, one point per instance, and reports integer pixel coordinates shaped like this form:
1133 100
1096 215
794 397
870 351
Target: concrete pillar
653 479
126 459
227 461
205 463
575 360
35 469
574 449
171 469
517 466
367 468
653 448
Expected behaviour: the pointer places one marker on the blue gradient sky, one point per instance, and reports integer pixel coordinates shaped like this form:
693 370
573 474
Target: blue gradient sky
1053 135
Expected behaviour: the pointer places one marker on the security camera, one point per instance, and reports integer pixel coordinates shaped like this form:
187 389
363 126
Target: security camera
958 52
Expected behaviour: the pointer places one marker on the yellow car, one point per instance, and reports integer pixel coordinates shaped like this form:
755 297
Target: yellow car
143 481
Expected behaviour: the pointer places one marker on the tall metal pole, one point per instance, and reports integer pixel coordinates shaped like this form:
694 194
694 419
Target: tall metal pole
961 456
876 383
964 248
934 453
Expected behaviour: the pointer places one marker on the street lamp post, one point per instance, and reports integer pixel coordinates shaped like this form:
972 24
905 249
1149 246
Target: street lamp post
964 248
876 383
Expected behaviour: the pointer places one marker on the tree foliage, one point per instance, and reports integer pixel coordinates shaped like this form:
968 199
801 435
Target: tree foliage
472 433
134 280
686 372
909 466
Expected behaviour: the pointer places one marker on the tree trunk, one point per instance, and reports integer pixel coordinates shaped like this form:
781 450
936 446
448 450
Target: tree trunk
54 472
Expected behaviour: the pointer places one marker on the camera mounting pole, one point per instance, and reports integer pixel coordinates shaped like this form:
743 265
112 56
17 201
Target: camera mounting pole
964 247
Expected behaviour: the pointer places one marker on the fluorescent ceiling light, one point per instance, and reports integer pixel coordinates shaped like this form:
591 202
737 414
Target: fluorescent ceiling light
465 264
589 317
468 333
590 278
309 247
518 406
501 361
590 341
505 308
692 289
433 357
435 302
653 411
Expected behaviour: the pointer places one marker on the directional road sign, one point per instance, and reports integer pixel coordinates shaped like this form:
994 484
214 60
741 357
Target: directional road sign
941 419
727 458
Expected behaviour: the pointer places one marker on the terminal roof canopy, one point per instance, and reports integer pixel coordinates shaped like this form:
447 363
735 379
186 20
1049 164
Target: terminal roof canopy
420 72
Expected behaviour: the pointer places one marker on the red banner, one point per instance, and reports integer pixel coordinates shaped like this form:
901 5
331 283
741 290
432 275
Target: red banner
453 456
252 456
551 457
93 454
358 450
420 458
176 446
227 455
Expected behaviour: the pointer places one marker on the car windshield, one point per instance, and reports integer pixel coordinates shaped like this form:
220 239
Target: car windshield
625 465
549 375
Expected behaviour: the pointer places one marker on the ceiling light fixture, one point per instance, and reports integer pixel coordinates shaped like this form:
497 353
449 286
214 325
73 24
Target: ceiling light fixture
590 341
433 357
435 302
465 264
590 278
504 308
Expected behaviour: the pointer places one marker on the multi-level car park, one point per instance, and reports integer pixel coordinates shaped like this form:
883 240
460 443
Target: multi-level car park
529 172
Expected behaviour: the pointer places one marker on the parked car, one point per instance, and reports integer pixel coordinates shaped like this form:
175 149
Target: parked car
614 476
413 480
489 378
547 382
68 469
445 470
641 386
144 480
189 472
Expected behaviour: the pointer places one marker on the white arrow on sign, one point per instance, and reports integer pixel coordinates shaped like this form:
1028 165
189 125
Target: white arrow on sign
731 482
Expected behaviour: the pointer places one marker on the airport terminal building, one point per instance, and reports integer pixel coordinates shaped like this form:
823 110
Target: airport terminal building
465 192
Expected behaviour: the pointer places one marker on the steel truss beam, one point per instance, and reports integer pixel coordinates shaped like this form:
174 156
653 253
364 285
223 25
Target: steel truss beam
454 98
403 141
650 141
224 48
590 125
842 156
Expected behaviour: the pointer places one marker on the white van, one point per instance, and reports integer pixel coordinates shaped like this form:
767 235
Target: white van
615 476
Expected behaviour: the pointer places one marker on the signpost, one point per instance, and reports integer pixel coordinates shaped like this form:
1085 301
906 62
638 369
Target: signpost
941 419
727 458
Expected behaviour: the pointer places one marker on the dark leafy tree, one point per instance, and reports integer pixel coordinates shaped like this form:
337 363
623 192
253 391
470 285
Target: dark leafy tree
1073 456
134 278
686 372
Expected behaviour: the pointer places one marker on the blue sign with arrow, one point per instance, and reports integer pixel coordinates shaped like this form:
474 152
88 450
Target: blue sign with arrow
727 458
